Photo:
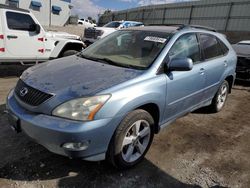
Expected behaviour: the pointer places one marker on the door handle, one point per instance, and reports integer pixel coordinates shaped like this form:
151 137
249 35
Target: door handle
12 36
202 71
225 63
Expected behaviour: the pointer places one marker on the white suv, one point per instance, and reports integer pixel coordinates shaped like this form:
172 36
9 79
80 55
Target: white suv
86 23
23 40
91 35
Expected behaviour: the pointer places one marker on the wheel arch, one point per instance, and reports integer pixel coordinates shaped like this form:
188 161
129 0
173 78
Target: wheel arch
62 46
71 46
154 111
230 80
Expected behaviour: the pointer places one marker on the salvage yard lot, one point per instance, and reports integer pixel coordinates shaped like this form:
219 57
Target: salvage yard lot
199 149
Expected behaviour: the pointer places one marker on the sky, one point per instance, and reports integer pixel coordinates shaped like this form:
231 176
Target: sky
92 8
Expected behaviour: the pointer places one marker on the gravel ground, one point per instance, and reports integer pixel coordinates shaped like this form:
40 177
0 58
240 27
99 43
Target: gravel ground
198 150
73 29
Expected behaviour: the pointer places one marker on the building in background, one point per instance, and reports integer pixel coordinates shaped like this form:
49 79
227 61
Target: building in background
224 15
48 12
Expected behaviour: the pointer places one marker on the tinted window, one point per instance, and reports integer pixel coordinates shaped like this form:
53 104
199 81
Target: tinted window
18 21
127 24
112 24
138 24
243 44
211 47
186 46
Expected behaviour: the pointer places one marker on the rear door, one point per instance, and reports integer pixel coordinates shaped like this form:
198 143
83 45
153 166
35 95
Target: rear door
185 88
21 42
215 63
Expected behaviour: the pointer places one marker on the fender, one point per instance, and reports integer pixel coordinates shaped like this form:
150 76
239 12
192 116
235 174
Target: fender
60 46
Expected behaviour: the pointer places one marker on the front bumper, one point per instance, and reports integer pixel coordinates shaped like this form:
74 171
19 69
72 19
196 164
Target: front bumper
89 40
52 132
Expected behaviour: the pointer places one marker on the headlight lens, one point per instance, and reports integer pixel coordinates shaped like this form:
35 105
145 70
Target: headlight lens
82 108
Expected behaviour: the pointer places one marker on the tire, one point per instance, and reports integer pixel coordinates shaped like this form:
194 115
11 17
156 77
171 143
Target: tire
125 152
220 97
69 53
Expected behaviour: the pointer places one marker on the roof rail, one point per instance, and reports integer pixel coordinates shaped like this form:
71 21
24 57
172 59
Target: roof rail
184 26
202 27
2 6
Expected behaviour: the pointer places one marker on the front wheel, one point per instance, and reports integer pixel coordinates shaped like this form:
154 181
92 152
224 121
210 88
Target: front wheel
131 140
69 53
220 98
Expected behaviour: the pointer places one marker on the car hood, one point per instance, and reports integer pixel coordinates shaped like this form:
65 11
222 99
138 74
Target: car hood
62 35
242 50
105 28
75 76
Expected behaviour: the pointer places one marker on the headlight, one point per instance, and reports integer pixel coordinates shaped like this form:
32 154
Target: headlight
82 108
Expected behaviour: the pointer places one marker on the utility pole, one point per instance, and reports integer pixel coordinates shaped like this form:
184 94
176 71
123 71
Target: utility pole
49 12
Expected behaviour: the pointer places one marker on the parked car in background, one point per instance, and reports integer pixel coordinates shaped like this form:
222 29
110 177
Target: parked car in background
108 101
23 39
91 35
86 23
242 49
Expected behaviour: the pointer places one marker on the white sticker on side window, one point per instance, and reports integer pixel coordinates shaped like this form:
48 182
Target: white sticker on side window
155 39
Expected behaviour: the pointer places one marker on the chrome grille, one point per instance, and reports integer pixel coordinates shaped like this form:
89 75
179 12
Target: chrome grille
91 33
30 95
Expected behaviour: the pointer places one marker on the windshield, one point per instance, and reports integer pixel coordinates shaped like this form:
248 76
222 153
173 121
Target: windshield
113 24
134 49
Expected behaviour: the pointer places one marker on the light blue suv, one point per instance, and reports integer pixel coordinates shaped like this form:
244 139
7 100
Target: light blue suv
108 101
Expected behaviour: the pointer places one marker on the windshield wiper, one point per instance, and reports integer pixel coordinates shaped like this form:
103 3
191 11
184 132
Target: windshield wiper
110 62
88 57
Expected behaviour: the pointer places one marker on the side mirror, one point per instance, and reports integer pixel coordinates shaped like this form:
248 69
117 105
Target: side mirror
35 28
38 29
180 64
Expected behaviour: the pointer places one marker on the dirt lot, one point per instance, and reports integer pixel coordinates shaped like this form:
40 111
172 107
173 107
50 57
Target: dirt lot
199 150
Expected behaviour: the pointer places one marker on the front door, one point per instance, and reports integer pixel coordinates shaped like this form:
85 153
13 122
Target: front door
185 88
21 42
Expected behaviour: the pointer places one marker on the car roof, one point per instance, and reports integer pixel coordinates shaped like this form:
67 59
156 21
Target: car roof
174 28
131 21
168 29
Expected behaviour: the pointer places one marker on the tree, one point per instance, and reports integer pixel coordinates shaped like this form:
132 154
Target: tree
108 11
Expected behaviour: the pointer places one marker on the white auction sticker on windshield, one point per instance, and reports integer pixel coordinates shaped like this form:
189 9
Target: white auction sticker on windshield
155 39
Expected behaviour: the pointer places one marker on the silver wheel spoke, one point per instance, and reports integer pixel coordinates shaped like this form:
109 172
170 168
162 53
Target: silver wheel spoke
224 91
140 148
136 141
129 152
127 141
144 132
136 127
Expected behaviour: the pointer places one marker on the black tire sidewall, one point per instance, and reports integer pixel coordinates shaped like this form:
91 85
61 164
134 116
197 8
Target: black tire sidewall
69 53
116 144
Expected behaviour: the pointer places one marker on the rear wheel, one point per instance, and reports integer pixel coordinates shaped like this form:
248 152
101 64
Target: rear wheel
131 140
220 98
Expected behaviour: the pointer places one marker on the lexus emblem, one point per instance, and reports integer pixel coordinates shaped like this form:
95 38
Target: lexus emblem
24 91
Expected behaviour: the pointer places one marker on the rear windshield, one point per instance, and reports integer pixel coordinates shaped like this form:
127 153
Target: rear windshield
113 24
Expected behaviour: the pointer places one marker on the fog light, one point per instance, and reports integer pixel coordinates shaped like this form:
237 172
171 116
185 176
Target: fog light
78 146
